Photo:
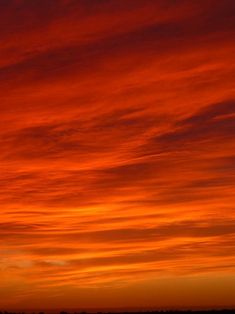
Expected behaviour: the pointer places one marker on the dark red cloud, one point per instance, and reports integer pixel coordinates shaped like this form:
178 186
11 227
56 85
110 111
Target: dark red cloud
117 153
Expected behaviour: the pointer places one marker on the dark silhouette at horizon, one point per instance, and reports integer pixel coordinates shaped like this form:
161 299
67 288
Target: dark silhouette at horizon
169 311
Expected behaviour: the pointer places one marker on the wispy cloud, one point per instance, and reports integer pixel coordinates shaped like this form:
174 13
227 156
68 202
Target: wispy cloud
117 151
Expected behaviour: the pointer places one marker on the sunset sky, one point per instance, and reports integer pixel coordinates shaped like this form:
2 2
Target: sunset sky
117 154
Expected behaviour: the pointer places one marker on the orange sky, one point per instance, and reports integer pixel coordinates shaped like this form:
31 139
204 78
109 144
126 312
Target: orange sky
117 159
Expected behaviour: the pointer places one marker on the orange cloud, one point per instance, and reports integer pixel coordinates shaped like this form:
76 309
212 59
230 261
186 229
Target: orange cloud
117 154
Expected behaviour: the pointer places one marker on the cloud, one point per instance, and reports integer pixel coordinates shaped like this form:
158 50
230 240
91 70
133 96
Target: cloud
117 153
213 122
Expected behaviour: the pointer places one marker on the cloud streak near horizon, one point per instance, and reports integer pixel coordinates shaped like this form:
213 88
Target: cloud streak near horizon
117 160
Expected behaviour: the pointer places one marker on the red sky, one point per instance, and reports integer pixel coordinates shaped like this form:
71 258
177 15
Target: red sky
117 159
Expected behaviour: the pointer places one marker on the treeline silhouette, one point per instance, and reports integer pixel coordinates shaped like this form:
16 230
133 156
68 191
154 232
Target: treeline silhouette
219 311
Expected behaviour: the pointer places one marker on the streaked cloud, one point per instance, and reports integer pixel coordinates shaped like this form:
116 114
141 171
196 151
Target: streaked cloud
117 152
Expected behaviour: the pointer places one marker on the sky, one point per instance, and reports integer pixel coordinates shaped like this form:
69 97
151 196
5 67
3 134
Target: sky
117 158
